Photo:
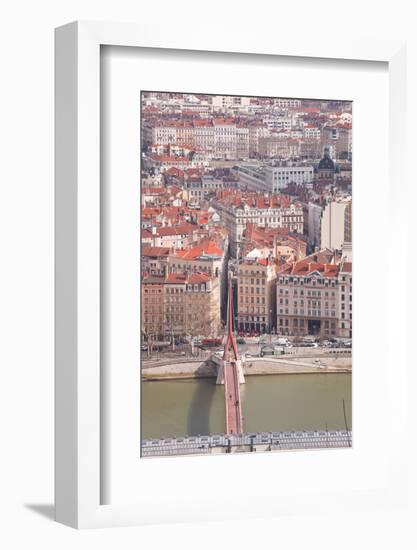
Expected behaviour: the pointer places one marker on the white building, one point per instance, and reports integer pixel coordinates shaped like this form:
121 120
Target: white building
262 210
229 102
256 131
333 224
271 179
252 178
278 177
164 135
225 139
287 103
242 142
345 299
279 122
312 132
314 224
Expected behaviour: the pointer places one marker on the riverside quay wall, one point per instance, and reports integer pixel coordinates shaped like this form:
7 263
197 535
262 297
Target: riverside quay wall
247 442
288 364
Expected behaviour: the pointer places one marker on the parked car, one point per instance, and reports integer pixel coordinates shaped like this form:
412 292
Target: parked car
211 342
283 341
307 345
271 350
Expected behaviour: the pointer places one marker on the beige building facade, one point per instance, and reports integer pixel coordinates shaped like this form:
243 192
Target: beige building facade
264 211
345 299
333 224
180 305
256 296
307 297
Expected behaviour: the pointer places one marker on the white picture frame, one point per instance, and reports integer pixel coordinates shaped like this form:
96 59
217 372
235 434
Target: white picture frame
77 499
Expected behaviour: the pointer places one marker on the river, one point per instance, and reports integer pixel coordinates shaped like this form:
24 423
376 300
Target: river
283 402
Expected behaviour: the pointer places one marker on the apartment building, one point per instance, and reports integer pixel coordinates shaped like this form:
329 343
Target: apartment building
310 148
256 131
347 243
177 236
237 210
344 142
226 103
276 243
163 134
256 295
345 299
242 142
217 137
279 177
271 178
152 307
180 304
314 217
340 138
278 147
154 260
252 177
196 188
208 257
287 103
308 297
279 122
225 138
333 223
311 131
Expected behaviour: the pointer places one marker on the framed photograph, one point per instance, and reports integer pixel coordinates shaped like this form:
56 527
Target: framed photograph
225 347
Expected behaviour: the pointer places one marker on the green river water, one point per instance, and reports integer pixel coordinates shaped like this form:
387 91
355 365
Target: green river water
283 402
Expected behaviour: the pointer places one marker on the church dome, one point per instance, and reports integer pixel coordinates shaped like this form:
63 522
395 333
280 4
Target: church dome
326 162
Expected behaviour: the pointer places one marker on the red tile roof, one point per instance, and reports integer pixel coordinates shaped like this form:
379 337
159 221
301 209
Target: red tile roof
174 171
182 229
176 278
239 199
184 278
306 267
195 278
169 159
149 212
153 190
155 251
206 248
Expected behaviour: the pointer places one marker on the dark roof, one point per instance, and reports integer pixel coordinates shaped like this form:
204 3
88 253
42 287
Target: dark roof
326 163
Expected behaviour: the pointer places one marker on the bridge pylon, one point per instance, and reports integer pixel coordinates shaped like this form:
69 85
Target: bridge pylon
230 349
231 375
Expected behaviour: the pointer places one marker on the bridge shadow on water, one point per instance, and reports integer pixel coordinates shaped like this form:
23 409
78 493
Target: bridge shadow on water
198 422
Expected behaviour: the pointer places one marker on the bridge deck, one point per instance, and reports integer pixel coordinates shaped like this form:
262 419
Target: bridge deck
234 424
